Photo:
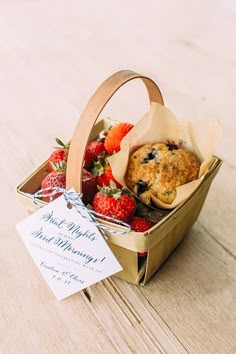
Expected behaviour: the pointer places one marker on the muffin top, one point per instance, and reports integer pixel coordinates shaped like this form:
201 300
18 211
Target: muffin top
156 169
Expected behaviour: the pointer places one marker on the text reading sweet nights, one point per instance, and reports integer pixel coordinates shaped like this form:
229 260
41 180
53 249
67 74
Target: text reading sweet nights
70 226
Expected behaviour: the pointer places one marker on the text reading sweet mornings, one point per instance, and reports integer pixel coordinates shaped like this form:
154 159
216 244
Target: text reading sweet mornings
65 245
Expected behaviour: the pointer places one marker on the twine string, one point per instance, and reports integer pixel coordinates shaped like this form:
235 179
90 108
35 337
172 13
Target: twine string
74 199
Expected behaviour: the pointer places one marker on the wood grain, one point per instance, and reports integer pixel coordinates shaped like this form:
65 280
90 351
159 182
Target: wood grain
53 55
193 291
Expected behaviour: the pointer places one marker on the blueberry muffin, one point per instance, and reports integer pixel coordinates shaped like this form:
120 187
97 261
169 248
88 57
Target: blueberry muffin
157 169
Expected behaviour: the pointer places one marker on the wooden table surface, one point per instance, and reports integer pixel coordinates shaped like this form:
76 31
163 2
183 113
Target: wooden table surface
53 55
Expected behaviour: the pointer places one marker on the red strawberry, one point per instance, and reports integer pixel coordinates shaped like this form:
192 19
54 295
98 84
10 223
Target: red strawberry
105 178
103 172
89 187
88 159
115 135
140 224
56 157
114 202
59 156
95 148
53 179
58 179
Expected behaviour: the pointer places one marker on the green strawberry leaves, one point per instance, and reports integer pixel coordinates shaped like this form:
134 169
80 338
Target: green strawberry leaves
61 144
113 191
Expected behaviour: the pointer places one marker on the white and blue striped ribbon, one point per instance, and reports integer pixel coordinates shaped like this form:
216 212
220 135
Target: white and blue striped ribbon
74 199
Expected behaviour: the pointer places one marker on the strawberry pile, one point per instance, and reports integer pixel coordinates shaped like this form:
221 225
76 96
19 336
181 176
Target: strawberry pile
99 187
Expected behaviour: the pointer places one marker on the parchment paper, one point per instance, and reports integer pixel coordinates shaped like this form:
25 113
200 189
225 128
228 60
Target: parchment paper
161 125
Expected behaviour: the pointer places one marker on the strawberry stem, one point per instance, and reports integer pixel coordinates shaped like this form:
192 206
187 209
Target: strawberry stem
59 166
99 166
61 144
113 191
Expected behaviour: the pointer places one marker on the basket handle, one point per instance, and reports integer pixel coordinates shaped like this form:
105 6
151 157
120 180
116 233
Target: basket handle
91 113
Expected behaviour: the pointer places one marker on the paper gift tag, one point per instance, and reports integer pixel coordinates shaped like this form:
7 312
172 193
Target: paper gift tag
67 247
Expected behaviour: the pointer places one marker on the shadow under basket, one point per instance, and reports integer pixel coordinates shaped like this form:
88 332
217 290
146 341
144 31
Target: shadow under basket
159 241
